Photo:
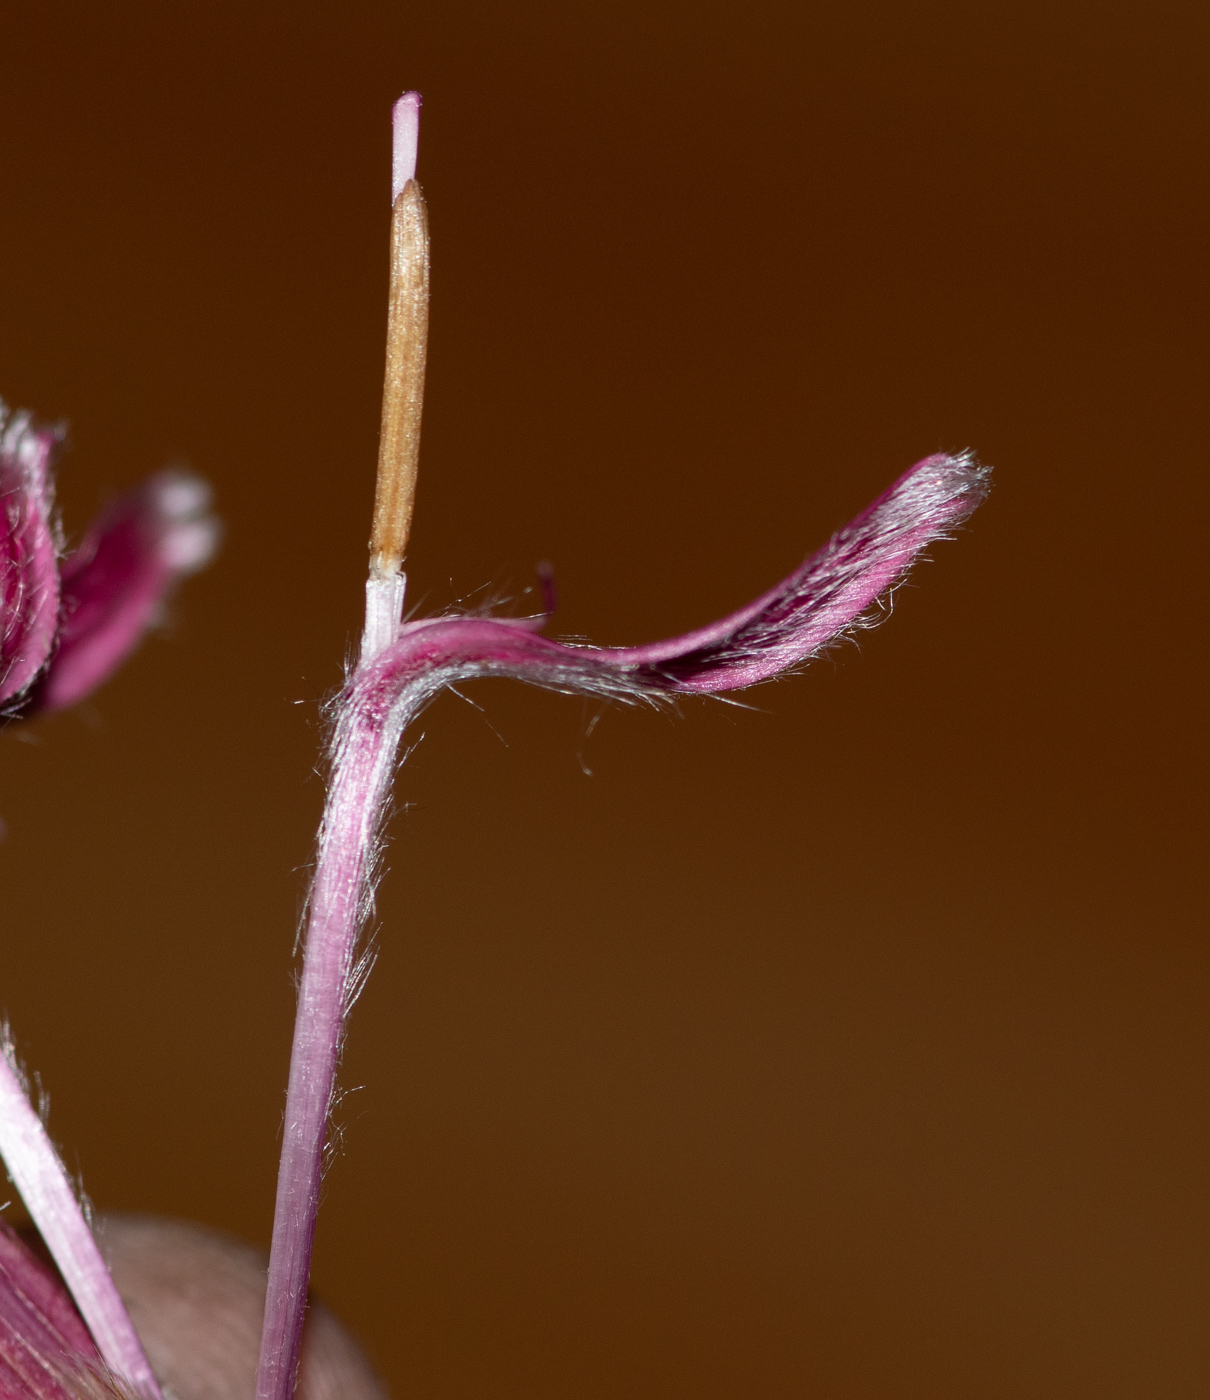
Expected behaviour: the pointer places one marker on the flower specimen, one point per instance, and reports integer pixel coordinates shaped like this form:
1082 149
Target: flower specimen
68 623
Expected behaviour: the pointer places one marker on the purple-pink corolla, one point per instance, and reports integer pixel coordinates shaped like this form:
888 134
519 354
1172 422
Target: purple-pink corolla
69 620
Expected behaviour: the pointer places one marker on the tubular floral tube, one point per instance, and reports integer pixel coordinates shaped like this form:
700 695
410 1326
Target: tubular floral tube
403 667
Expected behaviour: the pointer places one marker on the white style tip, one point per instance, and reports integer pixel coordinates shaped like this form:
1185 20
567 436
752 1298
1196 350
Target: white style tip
406 120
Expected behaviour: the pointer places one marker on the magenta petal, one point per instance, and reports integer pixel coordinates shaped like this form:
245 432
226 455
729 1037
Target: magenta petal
29 578
46 1352
829 594
115 584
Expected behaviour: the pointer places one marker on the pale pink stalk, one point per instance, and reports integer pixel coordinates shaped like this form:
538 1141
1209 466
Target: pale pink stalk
44 1186
339 902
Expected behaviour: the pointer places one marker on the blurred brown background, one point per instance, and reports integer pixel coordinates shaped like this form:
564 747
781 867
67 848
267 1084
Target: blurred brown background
855 1047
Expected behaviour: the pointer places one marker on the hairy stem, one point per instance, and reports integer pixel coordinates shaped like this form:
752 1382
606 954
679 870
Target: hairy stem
365 743
44 1186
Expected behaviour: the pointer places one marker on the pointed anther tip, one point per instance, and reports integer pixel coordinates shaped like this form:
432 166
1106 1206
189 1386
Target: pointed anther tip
405 121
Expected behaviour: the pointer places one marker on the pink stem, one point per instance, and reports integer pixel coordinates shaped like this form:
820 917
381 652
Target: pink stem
366 740
36 1172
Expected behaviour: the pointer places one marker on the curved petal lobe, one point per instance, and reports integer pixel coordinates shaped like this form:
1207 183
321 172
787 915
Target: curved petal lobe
115 584
828 594
830 591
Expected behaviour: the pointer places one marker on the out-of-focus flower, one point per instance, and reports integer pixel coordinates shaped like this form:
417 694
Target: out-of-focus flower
68 622
46 1352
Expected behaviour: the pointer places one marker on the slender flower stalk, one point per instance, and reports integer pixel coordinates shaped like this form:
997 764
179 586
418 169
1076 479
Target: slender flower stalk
403 667
37 1173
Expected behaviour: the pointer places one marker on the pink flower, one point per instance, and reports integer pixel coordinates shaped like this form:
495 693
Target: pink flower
46 1352
67 623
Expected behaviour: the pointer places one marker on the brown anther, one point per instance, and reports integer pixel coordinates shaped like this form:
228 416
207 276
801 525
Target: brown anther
403 389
